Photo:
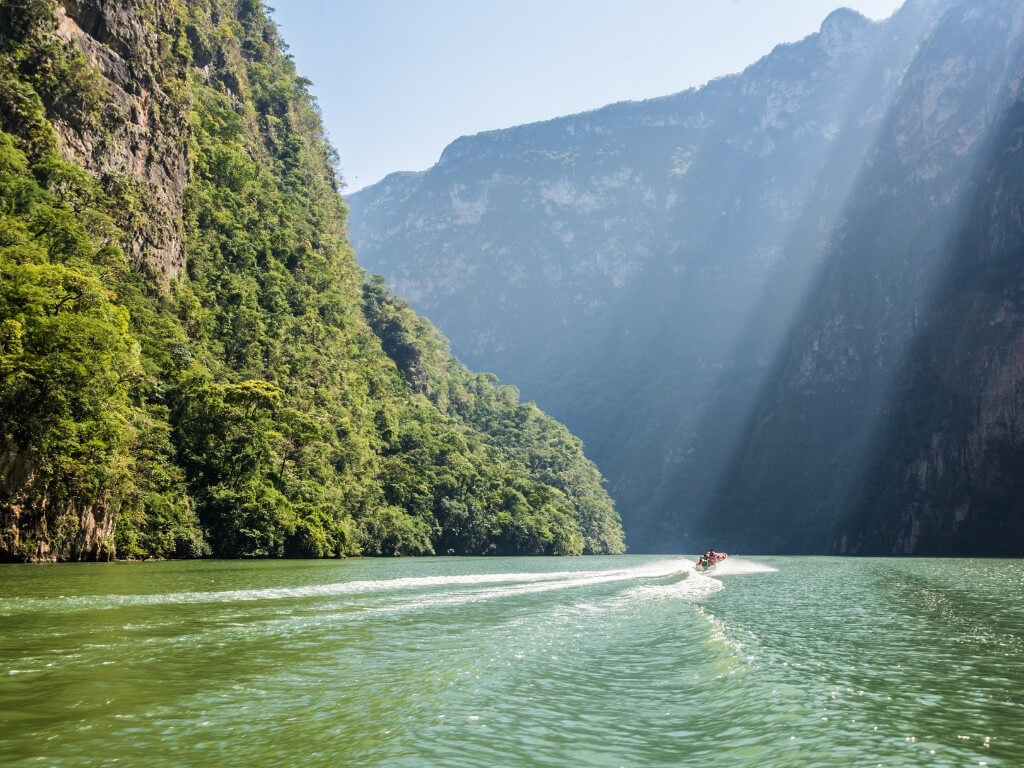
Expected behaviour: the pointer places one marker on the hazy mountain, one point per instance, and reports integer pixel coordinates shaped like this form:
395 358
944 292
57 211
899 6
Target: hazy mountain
718 290
886 375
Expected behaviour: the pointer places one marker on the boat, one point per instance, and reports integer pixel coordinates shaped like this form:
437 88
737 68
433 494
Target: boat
707 562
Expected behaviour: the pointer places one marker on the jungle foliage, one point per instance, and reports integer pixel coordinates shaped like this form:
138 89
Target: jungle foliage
271 400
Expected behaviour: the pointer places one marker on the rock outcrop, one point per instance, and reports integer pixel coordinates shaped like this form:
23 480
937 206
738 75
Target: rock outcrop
880 415
139 137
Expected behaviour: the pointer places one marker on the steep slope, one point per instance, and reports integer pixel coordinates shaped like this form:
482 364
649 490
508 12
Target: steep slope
189 360
945 473
635 269
945 468
893 403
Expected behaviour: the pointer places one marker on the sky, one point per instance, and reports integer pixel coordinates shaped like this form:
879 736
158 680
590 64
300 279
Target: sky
398 80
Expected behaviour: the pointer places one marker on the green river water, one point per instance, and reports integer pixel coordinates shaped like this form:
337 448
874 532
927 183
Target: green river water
610 661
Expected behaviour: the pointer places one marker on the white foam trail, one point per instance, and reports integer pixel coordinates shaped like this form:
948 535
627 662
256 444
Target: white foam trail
736 566
556 580
660 569
689 586
691 589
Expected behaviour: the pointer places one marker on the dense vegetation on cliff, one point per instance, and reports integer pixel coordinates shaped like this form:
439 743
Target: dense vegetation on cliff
252 397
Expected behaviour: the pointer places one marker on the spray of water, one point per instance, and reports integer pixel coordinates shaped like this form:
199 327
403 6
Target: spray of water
736 566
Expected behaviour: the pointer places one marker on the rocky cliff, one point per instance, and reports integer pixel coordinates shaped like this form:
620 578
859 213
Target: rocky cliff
944 469
889 411
131 124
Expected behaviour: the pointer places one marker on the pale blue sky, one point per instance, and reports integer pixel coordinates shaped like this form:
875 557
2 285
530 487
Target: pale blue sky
398 80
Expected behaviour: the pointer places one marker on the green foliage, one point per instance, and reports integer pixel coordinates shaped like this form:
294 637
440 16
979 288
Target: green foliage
519 433
68 365
391 531
249 410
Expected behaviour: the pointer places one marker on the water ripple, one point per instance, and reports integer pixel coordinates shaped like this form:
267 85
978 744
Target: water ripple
534 662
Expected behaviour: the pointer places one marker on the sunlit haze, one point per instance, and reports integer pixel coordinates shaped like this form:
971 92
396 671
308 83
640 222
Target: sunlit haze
398 80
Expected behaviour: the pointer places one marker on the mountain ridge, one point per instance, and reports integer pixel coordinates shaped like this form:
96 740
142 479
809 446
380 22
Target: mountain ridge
672 241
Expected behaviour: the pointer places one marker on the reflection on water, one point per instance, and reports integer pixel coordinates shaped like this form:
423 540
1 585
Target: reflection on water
514 662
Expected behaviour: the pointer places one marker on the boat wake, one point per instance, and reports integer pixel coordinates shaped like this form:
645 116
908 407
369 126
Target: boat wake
668 579
737 566
454 588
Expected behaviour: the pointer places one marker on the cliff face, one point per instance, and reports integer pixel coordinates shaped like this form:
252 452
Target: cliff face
42 528
190 362
944 472
139 134
891 414
891 406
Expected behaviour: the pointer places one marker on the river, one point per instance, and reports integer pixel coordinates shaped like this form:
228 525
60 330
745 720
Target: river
592 661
